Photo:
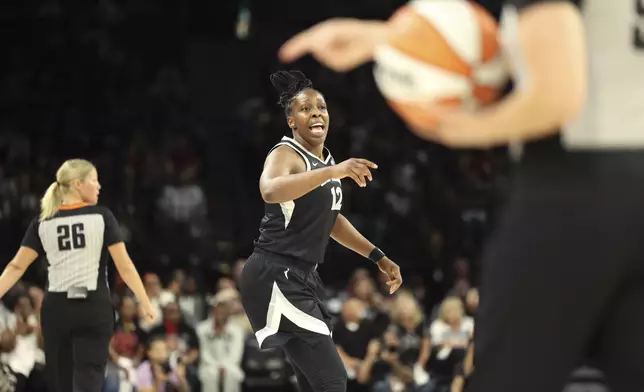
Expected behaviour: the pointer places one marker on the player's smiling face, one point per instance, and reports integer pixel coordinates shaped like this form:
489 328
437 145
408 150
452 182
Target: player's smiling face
309 117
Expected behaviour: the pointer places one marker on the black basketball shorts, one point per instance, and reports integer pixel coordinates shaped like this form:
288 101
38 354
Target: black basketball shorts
283 299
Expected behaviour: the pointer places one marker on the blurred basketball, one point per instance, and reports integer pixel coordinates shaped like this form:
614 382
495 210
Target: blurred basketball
440 52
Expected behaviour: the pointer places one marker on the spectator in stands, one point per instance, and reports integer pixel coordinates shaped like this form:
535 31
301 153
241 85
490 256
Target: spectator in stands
461 277
126 347
335 303
36 381
471 301
222 284
191 302
363 288
182 341
364 376
154 289
450 334
237 269
407 346
8 379
226 283
36 294
221 348
157 374
173 290
352 334
236 313
21 333
463 371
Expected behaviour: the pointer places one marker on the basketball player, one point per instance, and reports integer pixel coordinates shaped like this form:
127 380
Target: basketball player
564 275
280 288
75 236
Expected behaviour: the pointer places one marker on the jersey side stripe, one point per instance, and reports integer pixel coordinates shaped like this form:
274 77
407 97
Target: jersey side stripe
288 207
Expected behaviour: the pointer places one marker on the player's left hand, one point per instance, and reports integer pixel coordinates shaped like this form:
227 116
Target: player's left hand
392 270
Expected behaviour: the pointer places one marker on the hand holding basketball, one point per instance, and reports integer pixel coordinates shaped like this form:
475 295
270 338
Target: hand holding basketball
340 44
441 54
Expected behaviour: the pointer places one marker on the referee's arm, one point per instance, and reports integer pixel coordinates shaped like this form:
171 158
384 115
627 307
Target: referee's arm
16 268
113 240
127 270
28 252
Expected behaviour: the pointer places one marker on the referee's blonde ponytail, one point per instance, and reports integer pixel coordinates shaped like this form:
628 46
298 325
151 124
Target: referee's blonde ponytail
51 201
70 170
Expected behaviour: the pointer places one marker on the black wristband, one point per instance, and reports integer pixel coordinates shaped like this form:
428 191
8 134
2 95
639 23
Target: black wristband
376 255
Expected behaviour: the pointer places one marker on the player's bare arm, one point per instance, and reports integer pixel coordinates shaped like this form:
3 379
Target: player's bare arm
285 177
347 235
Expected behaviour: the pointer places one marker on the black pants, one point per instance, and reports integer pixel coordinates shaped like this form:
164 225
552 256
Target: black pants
77 334
283 301
563 277
317 366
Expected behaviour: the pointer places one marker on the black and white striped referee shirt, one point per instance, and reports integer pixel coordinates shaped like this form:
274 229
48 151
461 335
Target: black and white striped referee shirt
74 241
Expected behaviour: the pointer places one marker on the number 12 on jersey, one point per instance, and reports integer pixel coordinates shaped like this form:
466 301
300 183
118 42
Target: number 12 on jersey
336 192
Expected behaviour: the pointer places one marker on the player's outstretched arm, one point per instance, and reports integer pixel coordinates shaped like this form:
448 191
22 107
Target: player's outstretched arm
285 177
551 40
16 268
341 44
347 235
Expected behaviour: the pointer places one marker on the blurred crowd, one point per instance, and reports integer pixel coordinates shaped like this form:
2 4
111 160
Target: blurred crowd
203 341
171 101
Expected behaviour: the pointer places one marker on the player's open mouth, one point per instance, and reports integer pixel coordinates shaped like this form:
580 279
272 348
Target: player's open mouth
317 128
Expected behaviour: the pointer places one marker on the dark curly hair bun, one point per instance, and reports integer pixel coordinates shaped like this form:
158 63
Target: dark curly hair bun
289 84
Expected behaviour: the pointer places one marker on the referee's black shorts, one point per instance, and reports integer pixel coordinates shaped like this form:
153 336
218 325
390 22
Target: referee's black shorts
563 276
77 335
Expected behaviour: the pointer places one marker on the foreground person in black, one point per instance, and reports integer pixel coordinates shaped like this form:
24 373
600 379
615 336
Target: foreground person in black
563 275
280 288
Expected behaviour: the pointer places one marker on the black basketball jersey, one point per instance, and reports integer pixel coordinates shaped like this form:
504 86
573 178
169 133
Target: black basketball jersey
74 242
301 228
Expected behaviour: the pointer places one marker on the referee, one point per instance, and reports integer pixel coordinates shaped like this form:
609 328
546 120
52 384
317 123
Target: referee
77 317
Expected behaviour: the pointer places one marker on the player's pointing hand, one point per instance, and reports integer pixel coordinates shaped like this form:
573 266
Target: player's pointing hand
359 170
340 44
